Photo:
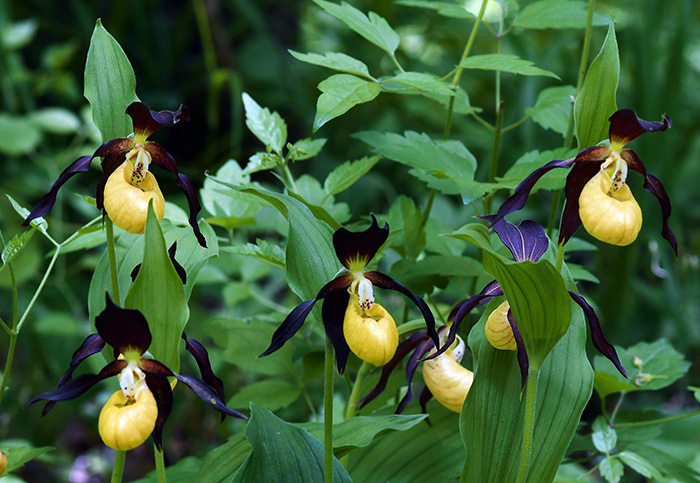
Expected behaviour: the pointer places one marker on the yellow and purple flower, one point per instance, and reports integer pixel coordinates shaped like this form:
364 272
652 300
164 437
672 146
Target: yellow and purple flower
142 405
597 194
353 321
127 186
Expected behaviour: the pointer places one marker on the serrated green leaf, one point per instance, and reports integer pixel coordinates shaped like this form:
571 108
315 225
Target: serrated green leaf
604 437
530 161
15 246
553 108
264 250
268 127
18 135
410 82
306 148
504 63
434 271
474 233
158 293
283 452
224 202
40 222
557 14
611 469
373 27
342 92
596 101
539 300
640 465
446 166
273 393
18 456
261 162
347 174
446 9
110 84
336 61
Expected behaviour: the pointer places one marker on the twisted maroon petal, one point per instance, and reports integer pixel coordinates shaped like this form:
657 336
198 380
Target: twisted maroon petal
577 178
625 126
146 121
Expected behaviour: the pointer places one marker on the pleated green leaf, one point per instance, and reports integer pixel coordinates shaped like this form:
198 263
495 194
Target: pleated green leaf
596 101
283 452
159 295
110 84
539 300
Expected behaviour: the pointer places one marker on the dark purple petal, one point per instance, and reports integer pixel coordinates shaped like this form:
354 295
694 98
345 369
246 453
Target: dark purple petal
47 201
625 126
76 387
597 336
384 281
422 348
517 200
425 396
163 394
333 315
653 186
123 329
115 147
401 351
523 360
146 121
493 289
206 393
359 247
161 158
526 241
577 178
188 187
200 354
596 153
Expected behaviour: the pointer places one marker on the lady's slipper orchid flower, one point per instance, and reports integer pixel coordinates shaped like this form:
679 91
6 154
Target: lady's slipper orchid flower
445 378
127 185
527 242
143 404
596 191
351 317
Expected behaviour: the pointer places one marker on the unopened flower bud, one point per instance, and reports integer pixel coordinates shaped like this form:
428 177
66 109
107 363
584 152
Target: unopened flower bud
498 329
447 380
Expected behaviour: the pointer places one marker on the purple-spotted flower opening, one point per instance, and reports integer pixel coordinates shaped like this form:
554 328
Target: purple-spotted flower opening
131 158
349 305
597 194
127 332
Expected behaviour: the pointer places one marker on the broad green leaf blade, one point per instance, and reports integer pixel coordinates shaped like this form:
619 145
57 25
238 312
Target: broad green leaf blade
373 28
224 202
658 365
273 393
283 452
261 249
16 245
261 162
306 148
446 166
504 63
446 9
604 437
159 295
640 465
347 174
434 271
110 84
17 456
596 101
360 431
553 108
492 418
267 126
539 300
530 161
476 234
557 14
336 61
410 82
418 455
342 92
223 462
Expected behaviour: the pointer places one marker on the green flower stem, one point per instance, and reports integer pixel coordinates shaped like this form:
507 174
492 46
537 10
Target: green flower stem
560 256
617 407
458 70
112 254
13 333
494 153
118 470
529 424
328 381
289 177
553 213
356 388
160 464
653 422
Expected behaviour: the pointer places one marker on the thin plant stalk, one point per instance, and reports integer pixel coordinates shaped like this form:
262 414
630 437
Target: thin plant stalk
160 464
529 423
118 469
112 255
328 382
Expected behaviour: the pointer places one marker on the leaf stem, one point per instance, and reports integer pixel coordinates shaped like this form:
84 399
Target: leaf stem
356 388
160 464
328 381
118 470
560 256
529 423
652 422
